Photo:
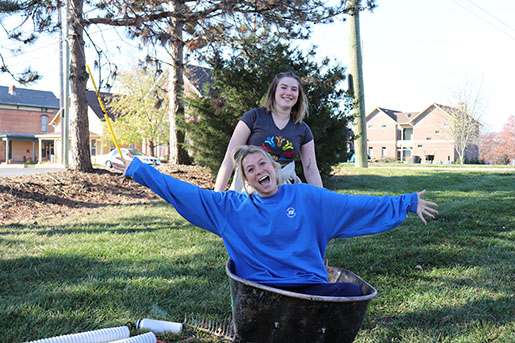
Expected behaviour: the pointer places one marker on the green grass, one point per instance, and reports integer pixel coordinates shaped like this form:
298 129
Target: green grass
450 281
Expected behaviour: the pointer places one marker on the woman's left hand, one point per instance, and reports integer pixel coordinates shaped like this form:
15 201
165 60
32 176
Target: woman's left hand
425 207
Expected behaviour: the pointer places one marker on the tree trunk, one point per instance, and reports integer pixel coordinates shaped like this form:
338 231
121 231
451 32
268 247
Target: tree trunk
178 155
79 124
152 147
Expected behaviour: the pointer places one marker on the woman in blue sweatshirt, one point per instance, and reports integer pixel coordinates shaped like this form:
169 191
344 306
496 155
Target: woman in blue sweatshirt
277 235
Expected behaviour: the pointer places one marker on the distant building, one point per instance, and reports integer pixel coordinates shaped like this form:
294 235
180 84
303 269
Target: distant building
424 136
25 117
30 121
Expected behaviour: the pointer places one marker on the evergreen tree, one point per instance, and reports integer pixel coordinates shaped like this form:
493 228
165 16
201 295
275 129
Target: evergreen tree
240 84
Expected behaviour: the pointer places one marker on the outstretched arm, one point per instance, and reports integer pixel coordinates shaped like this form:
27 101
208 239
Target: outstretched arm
425 207
201 207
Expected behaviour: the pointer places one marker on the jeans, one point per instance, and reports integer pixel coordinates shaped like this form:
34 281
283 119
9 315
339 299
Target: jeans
338 289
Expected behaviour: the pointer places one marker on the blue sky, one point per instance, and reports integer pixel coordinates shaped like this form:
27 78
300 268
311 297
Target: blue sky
415 52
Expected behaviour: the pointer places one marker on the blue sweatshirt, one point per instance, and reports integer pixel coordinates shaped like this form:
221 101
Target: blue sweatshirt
278 240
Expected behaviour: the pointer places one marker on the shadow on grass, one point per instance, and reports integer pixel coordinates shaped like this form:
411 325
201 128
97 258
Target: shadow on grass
70 293
447 321
430 180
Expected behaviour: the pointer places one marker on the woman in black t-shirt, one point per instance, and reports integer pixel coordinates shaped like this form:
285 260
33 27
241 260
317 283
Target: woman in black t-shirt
278 127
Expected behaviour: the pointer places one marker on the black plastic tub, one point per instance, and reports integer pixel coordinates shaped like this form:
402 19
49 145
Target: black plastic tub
267 314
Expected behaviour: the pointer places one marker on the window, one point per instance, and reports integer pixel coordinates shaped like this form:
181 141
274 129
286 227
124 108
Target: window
445 125
370 151
370 126
420 146
407 134
93 143
428 138
437 132
44 123
383 152
383 126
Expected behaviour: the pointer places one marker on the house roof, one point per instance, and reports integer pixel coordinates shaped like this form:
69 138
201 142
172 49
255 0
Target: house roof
28 97
201 78
398 116
95 105
409 117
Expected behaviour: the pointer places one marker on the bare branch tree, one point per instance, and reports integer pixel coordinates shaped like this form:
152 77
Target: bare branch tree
467 112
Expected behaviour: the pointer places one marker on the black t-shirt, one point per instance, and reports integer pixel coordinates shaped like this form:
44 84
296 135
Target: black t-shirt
284 145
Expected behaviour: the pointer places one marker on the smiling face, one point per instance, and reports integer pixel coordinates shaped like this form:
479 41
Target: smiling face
260 173
286 93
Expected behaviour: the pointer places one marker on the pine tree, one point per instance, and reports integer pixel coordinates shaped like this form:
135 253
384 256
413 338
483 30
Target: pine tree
240 84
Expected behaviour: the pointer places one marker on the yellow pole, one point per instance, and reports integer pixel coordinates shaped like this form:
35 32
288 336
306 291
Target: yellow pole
105 112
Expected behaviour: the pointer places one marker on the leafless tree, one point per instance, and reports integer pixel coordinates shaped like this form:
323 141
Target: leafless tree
467 111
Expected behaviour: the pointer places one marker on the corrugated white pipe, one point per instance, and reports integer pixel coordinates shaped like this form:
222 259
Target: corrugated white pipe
148 337
96 336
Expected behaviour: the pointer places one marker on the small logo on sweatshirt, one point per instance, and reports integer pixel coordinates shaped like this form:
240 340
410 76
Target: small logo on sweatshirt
290 212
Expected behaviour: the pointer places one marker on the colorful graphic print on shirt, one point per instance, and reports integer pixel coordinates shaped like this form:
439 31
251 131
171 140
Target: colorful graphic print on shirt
281 148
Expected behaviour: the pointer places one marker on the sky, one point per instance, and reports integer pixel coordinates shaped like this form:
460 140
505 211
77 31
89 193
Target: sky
415 53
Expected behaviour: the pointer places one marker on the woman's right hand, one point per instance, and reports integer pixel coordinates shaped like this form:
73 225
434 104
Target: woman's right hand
124 165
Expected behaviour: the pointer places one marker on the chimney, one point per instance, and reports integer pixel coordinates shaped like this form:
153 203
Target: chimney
12 90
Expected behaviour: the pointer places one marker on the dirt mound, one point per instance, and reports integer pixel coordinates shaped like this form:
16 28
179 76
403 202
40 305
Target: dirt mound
32 198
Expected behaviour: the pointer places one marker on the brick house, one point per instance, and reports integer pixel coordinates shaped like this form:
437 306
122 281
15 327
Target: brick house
424 136
30 121
25 117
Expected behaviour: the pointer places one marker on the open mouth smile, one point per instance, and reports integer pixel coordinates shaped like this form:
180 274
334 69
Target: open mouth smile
264 179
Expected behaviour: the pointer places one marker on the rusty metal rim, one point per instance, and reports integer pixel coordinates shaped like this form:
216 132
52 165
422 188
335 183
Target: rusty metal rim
300 295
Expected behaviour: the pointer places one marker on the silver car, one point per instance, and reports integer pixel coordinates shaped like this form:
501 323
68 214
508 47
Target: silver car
111 157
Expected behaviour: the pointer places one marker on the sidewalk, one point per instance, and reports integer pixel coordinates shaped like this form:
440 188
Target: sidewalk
24 165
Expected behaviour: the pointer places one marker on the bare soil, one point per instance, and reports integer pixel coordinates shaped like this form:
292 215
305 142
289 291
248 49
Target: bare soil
31 199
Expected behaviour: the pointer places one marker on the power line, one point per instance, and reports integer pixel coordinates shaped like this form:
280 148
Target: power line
491 15
483 19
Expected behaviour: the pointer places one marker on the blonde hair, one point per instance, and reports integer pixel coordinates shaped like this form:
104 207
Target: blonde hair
242 151
300 109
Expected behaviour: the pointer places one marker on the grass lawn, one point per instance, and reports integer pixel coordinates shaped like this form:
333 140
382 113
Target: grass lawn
450 281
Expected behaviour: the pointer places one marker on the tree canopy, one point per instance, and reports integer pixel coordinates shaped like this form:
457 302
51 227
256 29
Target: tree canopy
141 108
156 22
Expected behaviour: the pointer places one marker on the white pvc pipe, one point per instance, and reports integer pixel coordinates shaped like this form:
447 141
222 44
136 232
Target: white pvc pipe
158 326
148 337
96 336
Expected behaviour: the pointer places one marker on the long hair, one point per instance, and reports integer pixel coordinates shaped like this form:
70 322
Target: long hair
242 151
300 109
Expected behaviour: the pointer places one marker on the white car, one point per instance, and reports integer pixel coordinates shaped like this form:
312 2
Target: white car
110 157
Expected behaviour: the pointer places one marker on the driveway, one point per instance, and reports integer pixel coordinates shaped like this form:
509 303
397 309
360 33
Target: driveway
10 172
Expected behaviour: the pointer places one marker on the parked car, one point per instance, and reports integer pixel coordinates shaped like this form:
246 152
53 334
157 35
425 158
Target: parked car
110 157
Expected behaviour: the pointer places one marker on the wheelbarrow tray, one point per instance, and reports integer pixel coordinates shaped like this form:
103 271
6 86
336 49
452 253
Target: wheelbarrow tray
267 314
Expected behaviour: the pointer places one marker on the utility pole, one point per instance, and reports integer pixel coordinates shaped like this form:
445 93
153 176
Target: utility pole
65 117
61 76
357 89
